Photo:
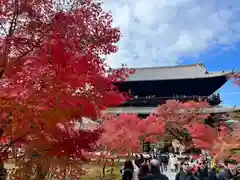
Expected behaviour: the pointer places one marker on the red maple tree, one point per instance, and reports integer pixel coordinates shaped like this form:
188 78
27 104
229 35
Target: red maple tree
53 72
227 144
120 134
26 24
173 118
49 90
125 133
230 144
203 136
224 143
151 128
186 123
69 80
55 88
177 116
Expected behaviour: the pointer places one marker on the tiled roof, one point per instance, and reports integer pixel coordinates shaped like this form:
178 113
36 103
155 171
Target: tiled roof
149 110
173 72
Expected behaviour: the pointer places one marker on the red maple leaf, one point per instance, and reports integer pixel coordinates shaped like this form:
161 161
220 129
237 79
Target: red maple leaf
203 136
34 119
120 134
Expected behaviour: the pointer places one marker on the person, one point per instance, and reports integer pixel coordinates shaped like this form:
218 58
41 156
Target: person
196 167
144 172
173 163
230 172
154 152
139 161
202 171
130 171
159 158
214 170
3 174
212 163
165 160
155 171
176 163
192 163
185 172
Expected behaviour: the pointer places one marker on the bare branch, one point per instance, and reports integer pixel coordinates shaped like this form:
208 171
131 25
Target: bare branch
13 23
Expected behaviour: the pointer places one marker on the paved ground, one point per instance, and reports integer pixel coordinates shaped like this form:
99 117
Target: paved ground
170 175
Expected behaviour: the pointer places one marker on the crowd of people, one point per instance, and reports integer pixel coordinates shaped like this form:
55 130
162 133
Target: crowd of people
154 167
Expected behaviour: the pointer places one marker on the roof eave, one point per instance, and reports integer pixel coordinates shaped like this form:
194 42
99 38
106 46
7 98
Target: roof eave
210 75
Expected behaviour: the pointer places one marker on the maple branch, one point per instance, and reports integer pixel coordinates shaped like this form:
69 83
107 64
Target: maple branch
180 137
11 30
12 142
29 50
170 130
13 23
26 53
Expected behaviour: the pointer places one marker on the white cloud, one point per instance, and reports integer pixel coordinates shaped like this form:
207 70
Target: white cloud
159 32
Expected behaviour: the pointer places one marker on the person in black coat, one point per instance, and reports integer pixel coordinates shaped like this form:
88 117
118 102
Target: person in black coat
144 172
230 172
155 171
159 158
128 170
185 172
212 174
202 171
165 160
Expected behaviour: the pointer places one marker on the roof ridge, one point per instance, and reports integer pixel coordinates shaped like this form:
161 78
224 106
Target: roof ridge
202 68
175 66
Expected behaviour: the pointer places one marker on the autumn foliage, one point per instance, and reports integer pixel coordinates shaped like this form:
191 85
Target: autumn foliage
224 143
42 95
123 133
227 144
171 118
190 118
203 136
53 74
26 24
177 116
184 122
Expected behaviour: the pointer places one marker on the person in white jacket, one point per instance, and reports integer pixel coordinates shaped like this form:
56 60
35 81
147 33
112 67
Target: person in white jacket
135 171
173 163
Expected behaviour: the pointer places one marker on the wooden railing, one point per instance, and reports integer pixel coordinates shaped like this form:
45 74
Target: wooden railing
151 100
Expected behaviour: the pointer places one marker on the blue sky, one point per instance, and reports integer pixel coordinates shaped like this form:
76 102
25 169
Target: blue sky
222 61
172 32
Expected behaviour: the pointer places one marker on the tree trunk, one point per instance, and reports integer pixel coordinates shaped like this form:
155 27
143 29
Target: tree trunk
103 170
118 161
3 171
112 166
40 174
